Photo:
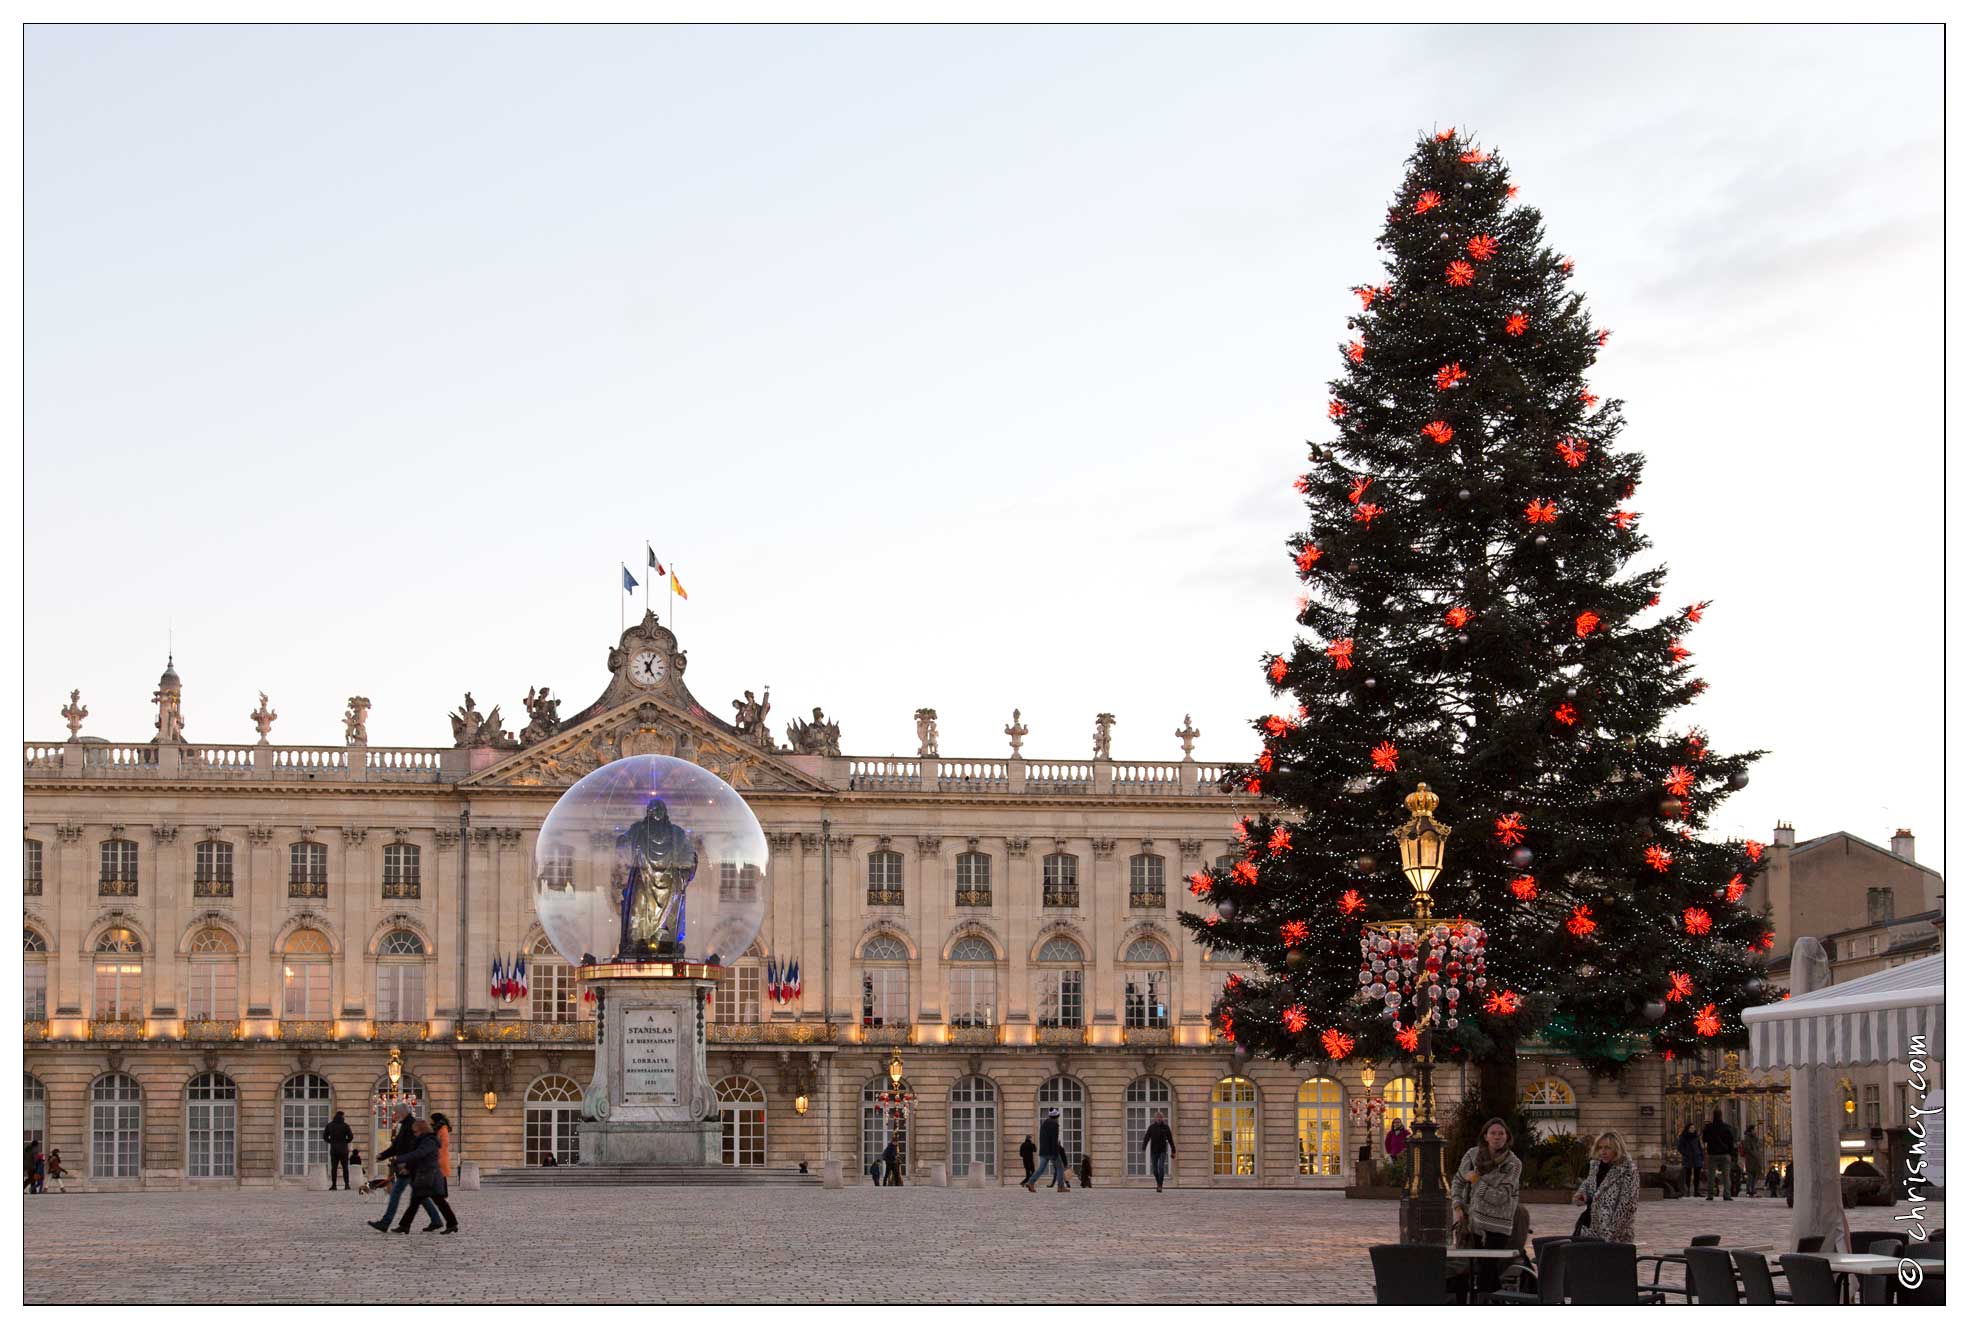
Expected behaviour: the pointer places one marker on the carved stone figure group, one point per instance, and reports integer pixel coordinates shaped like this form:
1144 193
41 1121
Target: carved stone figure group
818 737
750 717
469 729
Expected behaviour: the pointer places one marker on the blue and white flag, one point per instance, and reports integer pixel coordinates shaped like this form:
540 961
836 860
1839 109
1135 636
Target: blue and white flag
629 583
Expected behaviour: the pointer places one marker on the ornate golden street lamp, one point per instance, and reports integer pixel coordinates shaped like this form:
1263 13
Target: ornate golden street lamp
1422 966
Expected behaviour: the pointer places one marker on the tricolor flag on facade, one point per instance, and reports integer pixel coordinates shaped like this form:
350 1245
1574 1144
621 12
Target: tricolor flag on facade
498 978
651 551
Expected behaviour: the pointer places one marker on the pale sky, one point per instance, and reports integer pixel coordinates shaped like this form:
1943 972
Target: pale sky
960 367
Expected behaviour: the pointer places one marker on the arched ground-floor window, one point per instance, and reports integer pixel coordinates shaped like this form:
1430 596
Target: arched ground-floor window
304 1107
211 1126
1399 1096
1144 1099
742 1122
881 1123
116 1127
1070 1097
1551 1106
974 1127
1234 1128
553 1121
1322 1127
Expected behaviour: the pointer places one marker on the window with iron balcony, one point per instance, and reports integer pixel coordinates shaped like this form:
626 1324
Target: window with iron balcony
119 862
1145 882
885 877
403 872
307 871
1060 884
974 880
211 874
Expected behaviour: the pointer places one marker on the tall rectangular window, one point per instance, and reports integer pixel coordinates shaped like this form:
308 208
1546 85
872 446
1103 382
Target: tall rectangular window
34 987
119 864
885 877
212 864
550 987
1145 999
31 867
885 998
403 872
1060 1005
119 988
1870 1104
213 993
399 991
973 995
736 1000
303 989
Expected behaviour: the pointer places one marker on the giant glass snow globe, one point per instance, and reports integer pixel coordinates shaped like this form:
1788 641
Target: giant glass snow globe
650 860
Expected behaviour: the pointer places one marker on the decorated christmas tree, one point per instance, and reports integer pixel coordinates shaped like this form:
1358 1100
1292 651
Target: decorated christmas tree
1478 617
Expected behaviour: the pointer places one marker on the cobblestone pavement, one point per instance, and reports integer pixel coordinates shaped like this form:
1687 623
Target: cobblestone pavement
592 1245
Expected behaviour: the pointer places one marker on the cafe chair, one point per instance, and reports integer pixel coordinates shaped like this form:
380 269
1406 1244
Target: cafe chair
1759 1289
1930 1291
1548 1281
1811 1280
1712 1277
1603 1273
1410 1275
1811 1245
1861 1243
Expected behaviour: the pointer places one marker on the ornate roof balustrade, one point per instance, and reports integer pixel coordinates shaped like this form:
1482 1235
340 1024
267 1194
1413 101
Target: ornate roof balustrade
284 765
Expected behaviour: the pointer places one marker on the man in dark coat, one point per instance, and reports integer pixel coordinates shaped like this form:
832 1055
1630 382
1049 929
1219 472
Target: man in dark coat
890 1175
1719 1143
1161 1143
427 1182
1028 1155
339 1137
400 1146
1688 1147
1051 1152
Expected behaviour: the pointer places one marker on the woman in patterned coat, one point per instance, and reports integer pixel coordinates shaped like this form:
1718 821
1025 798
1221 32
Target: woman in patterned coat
1609 1191
1484 1197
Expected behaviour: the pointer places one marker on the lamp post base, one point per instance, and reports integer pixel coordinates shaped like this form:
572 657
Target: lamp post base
1425 1220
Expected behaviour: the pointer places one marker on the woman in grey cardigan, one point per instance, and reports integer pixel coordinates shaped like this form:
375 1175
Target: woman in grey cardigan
1609 1191
1484 1196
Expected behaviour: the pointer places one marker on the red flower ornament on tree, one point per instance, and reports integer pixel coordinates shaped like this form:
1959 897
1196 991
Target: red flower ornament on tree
1581 923
1516 325
1583 625
1473 157
1335 410
1384 756
1510 829
1541 512
1601 336
1708 1023
1734 888
1565 266
1356 351
1572 451
1341 653
1525 888
1245 873
1755 848
1410 1038
1428 199
1367 512
1623 518
1459 273
1696 922
1294 1019
1294 933
1450 375
1350 901
1482 247
1438 431
1278 669
1694 614
1280 842
1588 399
1679 986
1266 760
1359 490
1307 557
1677 651
1457 617
1366 293
1503 1003
1678 781
1446 135
1199 883
1337 1044
1566 715
1658 858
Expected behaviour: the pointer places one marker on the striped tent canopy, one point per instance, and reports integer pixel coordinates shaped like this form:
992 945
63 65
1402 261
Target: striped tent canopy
1860 1022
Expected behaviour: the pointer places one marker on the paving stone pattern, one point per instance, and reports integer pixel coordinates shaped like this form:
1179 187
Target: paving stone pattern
590 1246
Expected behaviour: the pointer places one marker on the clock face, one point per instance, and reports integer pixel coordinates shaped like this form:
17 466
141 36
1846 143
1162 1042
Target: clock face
646 669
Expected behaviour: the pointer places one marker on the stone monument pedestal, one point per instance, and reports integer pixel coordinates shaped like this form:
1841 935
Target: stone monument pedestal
650 1103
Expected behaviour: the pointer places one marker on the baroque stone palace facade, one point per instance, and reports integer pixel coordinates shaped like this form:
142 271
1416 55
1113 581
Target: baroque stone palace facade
225 942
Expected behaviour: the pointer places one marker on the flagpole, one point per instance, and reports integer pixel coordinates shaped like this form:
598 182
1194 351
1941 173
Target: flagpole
646 546
621 614
673 596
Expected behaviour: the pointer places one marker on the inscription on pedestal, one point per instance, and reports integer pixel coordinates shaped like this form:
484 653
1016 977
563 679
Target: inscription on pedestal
649 1056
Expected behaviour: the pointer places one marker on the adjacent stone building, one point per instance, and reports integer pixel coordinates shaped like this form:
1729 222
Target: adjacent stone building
225 942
